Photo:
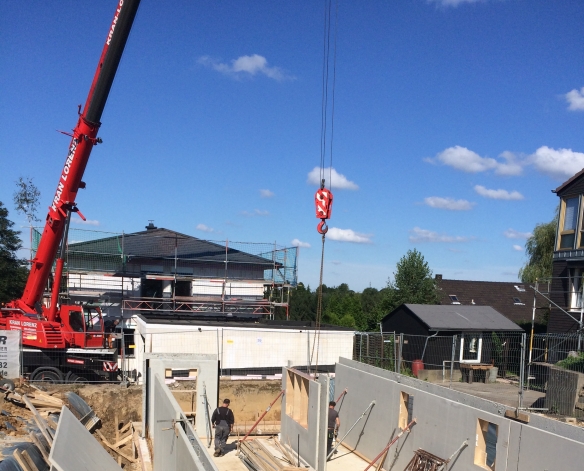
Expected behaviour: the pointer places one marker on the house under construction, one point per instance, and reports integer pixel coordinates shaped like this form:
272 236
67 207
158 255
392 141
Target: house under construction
164 271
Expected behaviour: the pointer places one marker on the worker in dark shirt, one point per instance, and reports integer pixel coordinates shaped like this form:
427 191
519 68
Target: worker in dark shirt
333 426
222 421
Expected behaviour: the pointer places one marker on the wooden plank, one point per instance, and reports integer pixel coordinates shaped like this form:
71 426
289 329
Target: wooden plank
111 447
40 446
516 415
21 461
117 421
143 452
29 461
123 441
39 421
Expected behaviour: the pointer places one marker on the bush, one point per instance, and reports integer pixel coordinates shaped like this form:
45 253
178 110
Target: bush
573 363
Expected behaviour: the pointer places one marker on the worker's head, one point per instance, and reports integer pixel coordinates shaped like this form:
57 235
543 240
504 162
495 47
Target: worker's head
226 402
116 321
332 404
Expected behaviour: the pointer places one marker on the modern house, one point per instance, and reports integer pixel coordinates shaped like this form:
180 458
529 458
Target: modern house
512 299
568 260
483 334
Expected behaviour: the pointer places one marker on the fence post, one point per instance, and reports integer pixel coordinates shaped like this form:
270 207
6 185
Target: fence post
399 358
522 370
360 347
452 359
394 353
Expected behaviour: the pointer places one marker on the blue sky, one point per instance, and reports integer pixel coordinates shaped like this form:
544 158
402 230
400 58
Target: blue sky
453 121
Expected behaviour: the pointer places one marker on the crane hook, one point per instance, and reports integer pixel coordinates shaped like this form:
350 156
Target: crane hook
322 227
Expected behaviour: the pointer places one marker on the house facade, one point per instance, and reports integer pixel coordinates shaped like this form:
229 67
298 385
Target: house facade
565 287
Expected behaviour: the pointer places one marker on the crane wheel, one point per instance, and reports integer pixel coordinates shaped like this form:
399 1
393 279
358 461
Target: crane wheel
47 374
7 384
71 377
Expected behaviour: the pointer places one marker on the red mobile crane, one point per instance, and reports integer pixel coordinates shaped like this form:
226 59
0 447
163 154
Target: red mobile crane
67 341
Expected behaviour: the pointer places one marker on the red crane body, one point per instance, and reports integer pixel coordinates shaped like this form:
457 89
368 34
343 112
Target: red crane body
65 326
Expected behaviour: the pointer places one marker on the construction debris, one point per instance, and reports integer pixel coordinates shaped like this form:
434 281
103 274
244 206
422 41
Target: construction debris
256 456
424 461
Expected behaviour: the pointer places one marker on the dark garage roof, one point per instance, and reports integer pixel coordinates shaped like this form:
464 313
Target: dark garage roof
460 318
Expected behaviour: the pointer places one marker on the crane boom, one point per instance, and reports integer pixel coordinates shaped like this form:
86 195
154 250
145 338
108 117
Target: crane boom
83 139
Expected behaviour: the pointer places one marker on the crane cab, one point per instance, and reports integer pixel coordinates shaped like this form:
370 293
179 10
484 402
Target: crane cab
83 326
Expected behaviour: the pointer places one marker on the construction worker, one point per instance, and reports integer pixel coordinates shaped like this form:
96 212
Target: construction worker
333 426
222 421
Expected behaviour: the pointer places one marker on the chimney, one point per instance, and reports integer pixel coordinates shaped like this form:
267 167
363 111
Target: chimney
151 225
438 278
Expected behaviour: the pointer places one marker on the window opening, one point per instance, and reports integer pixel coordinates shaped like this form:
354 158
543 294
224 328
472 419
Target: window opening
486 444
92 319
454 299
518 302
520 288
570 219
406 409
471 347
575 284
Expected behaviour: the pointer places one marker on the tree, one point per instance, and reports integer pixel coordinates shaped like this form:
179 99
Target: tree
12 272
540 250
26 199
413 283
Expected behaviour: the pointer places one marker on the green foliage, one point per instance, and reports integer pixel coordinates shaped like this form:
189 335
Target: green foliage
573 363
26 199
413 283
540 249
12 272
363 311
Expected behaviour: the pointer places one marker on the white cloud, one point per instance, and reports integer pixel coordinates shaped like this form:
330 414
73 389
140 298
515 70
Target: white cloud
498 194
266 193
575 99
256 212
338 180
468 161
348 235
452 3
518 248
424 235
513 234
559 164
299 243
88 222
246 66
204 228
448 203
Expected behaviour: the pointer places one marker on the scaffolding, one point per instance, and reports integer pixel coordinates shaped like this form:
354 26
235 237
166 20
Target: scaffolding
166 271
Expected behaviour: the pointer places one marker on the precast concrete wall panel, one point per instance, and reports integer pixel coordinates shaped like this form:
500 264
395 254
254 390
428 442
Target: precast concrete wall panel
309 442
445 419
174 444
161 428
207 372
241 348
546 451
75 449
